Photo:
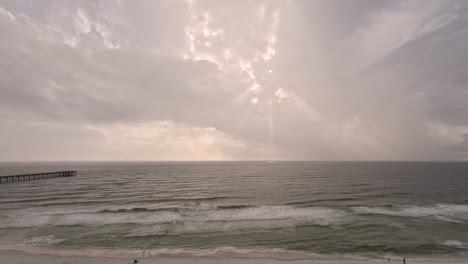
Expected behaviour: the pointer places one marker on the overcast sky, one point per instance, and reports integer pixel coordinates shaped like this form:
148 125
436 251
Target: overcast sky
244 79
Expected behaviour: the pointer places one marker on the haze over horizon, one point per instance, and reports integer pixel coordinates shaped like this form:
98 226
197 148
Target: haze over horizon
234 80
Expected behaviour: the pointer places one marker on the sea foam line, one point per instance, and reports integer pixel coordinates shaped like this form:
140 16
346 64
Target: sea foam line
317 215
444 212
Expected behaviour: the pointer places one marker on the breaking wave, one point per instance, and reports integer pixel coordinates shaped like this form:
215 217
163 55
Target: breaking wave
140 209
222 252
453 243
443 212
263 216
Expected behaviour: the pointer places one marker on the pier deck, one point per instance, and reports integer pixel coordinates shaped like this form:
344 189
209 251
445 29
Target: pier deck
36 176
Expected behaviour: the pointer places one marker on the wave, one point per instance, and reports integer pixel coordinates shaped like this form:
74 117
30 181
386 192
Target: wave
19 239
311 202
444 212
227 207
139 209
52 201
177 220
194 199
261 217
41 240
87 219
218 252
277 213
453 243
234 252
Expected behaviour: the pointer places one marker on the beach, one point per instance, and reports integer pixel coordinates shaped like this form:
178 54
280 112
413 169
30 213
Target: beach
18 257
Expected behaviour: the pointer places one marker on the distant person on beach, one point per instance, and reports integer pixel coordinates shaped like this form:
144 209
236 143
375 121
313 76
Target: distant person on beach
404 261
135 261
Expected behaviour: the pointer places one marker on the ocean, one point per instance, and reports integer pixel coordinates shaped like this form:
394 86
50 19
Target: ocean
281 209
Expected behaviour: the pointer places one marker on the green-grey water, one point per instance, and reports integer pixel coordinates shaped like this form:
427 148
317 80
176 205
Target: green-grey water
329 208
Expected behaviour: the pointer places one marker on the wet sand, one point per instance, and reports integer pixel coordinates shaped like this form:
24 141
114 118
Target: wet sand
18 257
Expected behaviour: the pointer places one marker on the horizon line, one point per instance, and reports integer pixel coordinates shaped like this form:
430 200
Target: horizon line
227 160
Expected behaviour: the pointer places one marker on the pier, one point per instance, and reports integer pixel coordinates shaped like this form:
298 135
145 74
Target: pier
36 176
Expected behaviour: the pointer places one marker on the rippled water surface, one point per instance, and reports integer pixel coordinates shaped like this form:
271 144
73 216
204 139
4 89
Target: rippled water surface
357 208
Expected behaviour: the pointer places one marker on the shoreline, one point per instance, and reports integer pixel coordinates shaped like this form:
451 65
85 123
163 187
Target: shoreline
37 255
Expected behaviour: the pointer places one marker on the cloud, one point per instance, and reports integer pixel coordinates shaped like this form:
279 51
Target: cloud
166 140
235 80
32 141
46 78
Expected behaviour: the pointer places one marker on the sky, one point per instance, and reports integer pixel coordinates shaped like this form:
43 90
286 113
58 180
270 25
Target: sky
233 80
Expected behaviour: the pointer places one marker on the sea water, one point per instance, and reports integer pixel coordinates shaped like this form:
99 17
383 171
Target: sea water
284 208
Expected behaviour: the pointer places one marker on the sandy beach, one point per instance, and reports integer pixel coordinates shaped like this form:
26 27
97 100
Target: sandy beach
20 257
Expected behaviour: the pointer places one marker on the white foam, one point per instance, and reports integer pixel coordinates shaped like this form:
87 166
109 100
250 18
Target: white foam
444 212
265 216
233 252
258 218
223 252
275 213
91 219
19 238
44 240
454 243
